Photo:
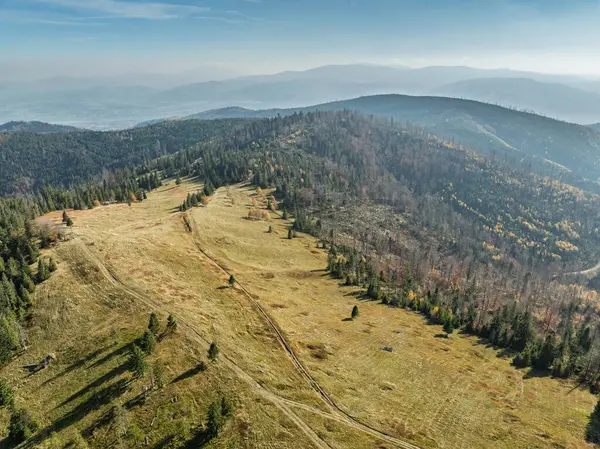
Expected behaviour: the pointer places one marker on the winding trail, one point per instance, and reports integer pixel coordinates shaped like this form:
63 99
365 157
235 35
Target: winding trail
341 414
282 404
590 271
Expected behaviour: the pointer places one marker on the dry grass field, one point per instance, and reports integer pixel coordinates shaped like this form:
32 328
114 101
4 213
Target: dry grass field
342 391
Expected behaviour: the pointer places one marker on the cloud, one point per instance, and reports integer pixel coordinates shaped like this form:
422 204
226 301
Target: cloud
129 10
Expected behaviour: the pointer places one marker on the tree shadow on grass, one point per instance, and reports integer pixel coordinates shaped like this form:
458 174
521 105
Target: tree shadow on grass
80 411
117 352
108 416
347 319
76 365
201 366
115 372
539 373
165 442
200 439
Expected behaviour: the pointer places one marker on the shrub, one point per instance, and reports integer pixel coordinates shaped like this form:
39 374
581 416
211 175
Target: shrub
22 425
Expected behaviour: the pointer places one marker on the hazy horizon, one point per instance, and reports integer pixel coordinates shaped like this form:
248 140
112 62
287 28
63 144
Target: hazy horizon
104 38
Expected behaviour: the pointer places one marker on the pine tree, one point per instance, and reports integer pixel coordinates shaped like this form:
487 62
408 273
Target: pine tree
547 353
449 325
137 363
22 425
171 324
354 312
290 234
7 394
214 419
213 352
158 372
153 323
232 280
593 429
148 342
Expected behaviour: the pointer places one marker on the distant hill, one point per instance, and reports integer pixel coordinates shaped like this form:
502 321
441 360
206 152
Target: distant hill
480 126
105 103
550 99
36 127
595 126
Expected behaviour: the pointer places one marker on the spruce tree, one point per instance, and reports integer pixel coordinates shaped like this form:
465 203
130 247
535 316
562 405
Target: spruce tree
148 342
7 394
137 363
22 426
153 323
354 312
213 352
171 323
449 325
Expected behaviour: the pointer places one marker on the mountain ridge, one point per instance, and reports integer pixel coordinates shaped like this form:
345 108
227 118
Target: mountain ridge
480 126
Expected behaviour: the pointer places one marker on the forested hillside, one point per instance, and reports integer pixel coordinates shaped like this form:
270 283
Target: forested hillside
482 127
36 127
469 241
30 161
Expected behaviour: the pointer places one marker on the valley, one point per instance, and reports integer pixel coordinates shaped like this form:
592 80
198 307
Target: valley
299 371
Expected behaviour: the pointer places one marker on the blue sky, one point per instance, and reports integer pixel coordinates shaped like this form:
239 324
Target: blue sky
259 36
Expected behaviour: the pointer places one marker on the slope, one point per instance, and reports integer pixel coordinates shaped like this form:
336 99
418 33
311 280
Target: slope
482 127
550 99
127 261
36 127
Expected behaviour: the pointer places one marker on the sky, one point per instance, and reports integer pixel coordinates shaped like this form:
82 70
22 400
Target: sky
45 38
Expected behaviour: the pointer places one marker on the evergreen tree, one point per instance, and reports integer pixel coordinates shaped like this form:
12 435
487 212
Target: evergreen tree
232 280
153 323
354 312
213 352
214 419
7 394
593 429
449 325
547 353
22 425
171 324
137 363
148 342
158 373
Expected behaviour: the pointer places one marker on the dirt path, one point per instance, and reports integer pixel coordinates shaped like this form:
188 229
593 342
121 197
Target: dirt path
282 404
341 414
590 271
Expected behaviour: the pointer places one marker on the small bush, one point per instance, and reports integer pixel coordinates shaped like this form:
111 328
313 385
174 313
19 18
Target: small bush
22 426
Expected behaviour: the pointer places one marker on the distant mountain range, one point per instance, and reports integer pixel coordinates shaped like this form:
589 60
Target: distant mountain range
479 126
107 104
552 99
36 127
595 126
